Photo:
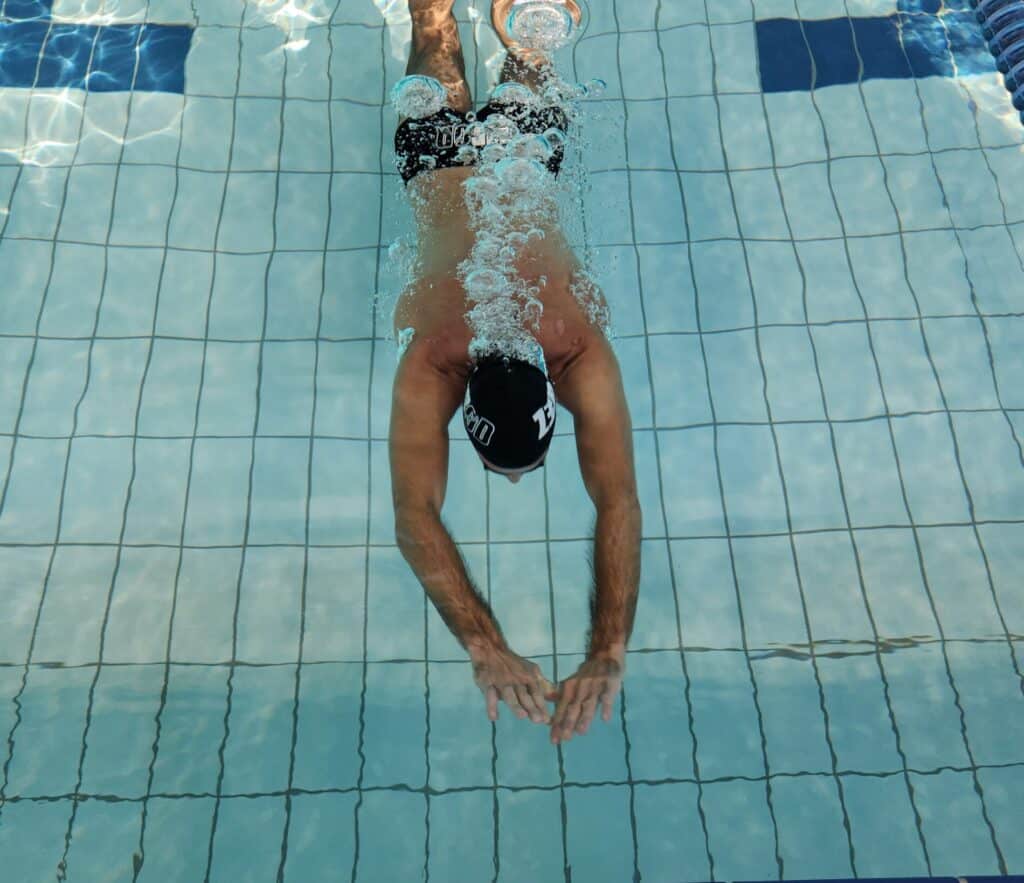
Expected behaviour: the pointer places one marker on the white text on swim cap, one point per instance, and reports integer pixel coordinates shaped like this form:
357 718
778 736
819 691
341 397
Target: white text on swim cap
545 417
479 427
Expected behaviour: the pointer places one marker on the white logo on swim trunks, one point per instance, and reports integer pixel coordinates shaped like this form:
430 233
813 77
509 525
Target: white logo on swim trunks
459 133
479 427
545 417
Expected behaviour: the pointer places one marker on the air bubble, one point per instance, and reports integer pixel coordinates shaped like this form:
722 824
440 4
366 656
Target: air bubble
417 96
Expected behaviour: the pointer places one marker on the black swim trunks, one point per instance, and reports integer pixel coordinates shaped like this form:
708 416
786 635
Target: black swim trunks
439 137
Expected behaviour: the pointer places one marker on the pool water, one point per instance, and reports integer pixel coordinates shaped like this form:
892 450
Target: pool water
808 219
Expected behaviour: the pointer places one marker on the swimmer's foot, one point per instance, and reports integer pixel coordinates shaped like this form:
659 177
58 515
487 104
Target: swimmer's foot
500 10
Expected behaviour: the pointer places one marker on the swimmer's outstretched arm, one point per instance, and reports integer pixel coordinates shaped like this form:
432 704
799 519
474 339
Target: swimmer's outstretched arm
422 404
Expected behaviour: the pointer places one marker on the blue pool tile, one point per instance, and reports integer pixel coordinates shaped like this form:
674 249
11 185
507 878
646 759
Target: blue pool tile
144 198
732 806
171 389
793 722
991 458
395 724
990 695
14 358
704 585
121 730
279 491
523 606
247 842
991 255
759 204
693 502
335 586
970 189
649 138
96 492
923 704
19 307
735 51
832 293
72 614
735 376
1001 787
768 591
693 127
321 835
194 218
812 483
177 838
140 609
847 371
530 834
219 490
677 363
236 307
810 203
658 209
893 583
916 192
460 743
115 379
269 613
395 616
247 219
569 607
795 125
48 740
860 190
656 701
88 204
601 754
832 591
783 66
812 839
286 392
158 498
907 374
73 292
351 229
928 465
460 826
129 296
32 836
1004 550
188 275
669 833
341 384
1005 338
886 843
880 271
709 212
724 715
21 579
750 480
958 582
301 212
295 292
339 474
256 754
686 57
954 827
860 726
935 267
718 267
102 829
598 835
655 625
777 282
191 730
228 402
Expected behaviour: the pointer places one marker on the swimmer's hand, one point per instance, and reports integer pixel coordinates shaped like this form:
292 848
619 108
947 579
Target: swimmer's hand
501 674
599 679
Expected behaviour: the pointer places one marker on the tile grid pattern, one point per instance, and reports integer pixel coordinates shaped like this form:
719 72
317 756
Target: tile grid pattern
732 534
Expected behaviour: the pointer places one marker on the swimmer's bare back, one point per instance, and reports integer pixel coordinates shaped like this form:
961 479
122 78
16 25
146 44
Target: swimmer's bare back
434 304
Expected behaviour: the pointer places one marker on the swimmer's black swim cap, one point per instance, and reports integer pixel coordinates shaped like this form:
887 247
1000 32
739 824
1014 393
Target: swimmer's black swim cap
509 412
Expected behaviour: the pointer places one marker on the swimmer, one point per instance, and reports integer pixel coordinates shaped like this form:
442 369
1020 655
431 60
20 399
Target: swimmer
507 398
